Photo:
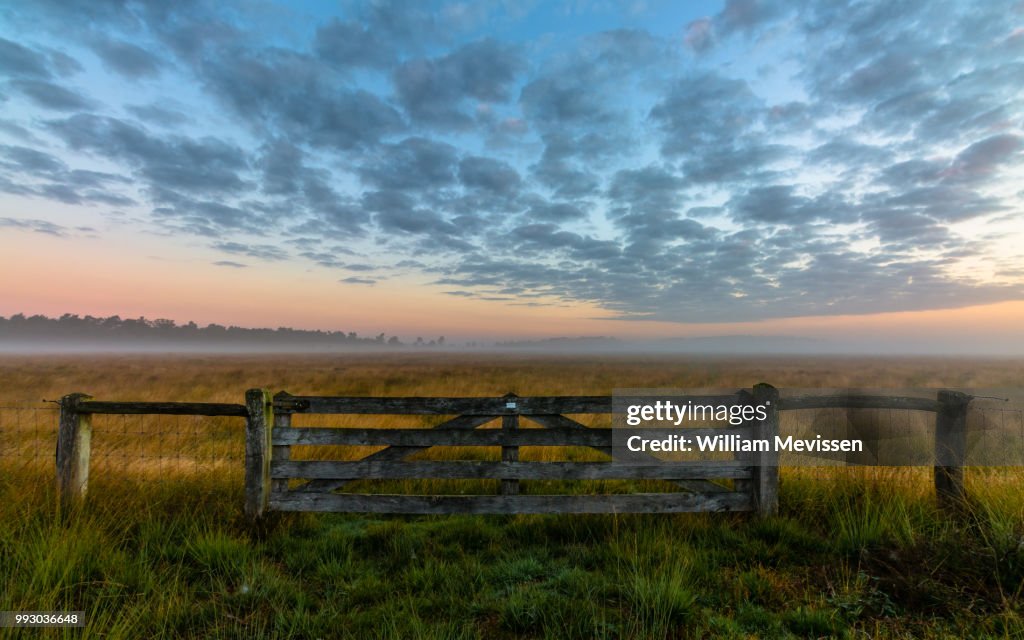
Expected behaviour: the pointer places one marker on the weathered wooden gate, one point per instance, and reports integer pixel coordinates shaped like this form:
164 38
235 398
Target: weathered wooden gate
270 471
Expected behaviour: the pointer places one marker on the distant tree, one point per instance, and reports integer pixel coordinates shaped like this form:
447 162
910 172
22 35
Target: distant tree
103 331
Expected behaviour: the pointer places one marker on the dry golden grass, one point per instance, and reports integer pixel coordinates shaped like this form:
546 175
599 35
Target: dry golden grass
221 378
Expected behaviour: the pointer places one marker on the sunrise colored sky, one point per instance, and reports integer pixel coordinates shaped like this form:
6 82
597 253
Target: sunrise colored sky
833 170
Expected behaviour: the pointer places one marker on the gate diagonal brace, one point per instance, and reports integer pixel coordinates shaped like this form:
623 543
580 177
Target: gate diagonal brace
393 454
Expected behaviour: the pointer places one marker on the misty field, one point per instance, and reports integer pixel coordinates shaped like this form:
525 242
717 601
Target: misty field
161 548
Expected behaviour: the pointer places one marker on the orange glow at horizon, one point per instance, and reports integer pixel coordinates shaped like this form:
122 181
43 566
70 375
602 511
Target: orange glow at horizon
54 276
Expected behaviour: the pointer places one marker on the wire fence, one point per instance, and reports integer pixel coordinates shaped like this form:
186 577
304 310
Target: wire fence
904 454
144 448
905 437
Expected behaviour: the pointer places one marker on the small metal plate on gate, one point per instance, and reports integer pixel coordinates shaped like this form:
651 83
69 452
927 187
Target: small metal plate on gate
510 405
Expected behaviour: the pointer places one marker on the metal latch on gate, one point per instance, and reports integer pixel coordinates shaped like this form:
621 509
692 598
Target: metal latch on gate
511 400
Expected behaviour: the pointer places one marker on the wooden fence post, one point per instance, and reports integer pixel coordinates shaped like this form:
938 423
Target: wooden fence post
950 447
73 442
258 425
766 463
509 424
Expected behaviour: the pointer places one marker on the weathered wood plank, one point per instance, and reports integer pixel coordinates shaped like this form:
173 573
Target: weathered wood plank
481 405
617 503
446 406
554 437
950 447
442 437
701 486
474 469
556 421
164 408
257 452
74 438
792 403
397 453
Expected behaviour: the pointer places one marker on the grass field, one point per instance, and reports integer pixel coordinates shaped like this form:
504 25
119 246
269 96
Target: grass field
161 548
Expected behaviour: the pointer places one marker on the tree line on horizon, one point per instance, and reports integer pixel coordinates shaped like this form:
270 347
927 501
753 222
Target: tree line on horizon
69 327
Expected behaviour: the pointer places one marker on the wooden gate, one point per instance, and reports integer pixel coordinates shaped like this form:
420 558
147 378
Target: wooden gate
524 422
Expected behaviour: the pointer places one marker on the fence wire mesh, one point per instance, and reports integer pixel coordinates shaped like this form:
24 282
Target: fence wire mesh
28 438
906 437
142 448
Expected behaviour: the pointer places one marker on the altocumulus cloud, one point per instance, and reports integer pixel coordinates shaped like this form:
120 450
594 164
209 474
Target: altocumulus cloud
765 159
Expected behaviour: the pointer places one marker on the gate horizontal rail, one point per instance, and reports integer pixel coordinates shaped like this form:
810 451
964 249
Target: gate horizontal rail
434 437
425 505
478 470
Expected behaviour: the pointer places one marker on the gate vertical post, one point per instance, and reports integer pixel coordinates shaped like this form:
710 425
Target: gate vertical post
739 485
950 447
509 425
282 420
73 444
765 483
258 425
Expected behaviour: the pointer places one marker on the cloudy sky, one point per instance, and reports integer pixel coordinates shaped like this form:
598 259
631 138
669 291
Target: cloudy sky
517 168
